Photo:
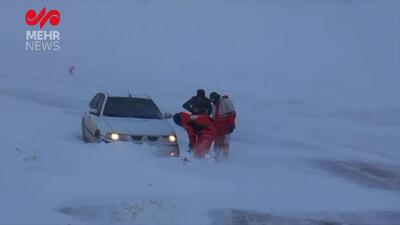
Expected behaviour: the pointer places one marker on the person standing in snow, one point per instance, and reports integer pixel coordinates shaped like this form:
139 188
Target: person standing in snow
200 129
224 116
199 104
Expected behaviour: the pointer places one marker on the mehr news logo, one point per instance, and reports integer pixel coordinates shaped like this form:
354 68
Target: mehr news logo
42 40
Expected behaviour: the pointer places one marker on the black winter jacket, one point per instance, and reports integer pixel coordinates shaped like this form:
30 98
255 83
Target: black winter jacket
198 105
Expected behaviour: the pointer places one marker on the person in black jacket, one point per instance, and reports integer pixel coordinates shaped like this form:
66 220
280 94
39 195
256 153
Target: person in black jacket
199 104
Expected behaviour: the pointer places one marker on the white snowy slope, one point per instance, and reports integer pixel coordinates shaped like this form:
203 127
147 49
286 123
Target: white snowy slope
316 85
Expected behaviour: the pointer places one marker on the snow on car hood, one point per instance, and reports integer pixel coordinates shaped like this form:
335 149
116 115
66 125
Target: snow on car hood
139 126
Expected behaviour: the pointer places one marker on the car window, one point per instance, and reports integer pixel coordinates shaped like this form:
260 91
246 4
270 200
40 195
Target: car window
100 103
131 107
95 100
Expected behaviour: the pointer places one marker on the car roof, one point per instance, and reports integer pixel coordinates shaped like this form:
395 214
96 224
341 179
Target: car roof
126 94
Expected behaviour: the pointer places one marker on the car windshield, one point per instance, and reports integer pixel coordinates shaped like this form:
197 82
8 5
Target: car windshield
131 107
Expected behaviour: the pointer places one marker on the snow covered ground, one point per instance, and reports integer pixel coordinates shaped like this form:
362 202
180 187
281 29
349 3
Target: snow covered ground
316 85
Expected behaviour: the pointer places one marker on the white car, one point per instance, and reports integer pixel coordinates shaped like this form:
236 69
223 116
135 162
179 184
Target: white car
125 117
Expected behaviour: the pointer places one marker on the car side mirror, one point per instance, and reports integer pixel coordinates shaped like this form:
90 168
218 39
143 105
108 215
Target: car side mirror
94 111
167 115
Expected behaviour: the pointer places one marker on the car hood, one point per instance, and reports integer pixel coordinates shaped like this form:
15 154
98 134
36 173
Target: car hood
136 126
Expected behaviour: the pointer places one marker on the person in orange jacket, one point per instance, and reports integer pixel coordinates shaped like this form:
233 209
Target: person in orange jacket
224 116
200 129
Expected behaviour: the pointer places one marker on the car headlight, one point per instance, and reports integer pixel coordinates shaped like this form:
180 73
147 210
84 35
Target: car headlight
172 138
116 137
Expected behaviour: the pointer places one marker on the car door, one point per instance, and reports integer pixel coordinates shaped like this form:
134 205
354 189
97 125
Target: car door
91 118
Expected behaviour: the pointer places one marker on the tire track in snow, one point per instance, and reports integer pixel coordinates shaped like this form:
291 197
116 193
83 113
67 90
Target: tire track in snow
68 104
